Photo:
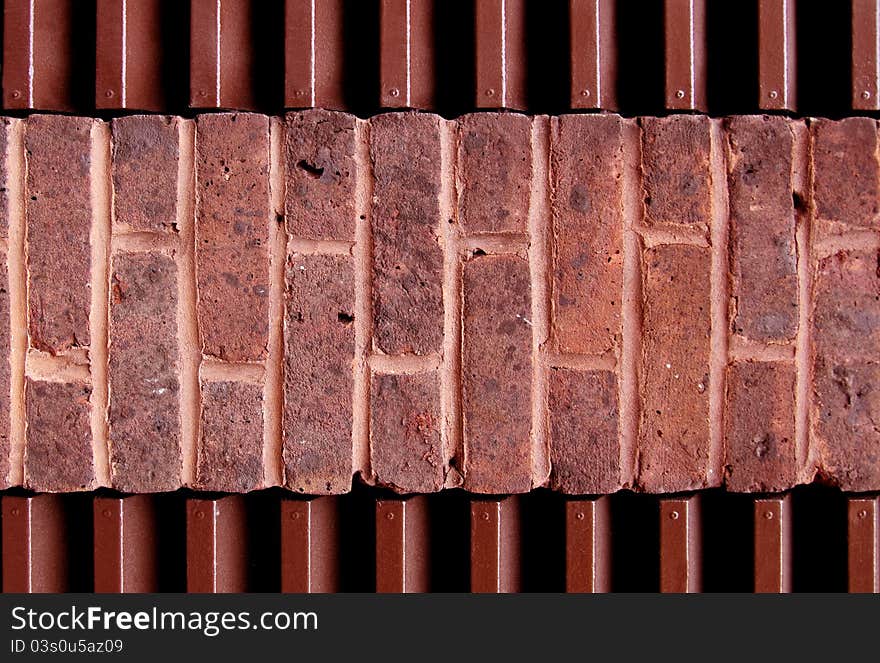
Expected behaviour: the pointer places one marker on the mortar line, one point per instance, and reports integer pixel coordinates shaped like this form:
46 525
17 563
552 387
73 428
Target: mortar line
143 242
101 190
189 344
213 370
273 389
802 183
362 252
404 364
539 267
718 348
318 247
450 370
631 309
16 264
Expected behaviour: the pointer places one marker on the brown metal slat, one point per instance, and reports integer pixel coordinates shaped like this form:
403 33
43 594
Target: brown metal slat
501 54
35 544
496 565
685 54
222 55
128 56
216 545
125 554
863 545
776 55
865 54
680 545
38 69
310 545
593 54
407 77
588 545
773 545
402 545
314 40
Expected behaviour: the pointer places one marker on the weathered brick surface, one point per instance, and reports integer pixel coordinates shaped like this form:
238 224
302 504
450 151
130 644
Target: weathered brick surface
231 445
145 160
587 233
846 342
5 372
58 451
762 229
495 170
318 373
144 374
321 173
675 163
673 449
584 449
232 234
58 225
405 432
759 437
407 259
845 173
497 374
5 128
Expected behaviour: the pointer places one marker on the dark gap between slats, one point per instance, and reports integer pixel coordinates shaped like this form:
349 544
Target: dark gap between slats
732 57
640 50
728 542
819 536
824 59
635 543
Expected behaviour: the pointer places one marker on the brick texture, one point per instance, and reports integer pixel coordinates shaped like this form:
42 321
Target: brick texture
498 302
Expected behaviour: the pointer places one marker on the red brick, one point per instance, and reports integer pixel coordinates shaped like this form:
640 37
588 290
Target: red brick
759 436
321 175
844 430
145 157
846 341
405 432
587 233
762 229
675 163
845 173
231 444
318 376
5 126
584 447
143 372
5 372
58 224
497 374
58 452
674 429
846 310
407 260
495 162
232 234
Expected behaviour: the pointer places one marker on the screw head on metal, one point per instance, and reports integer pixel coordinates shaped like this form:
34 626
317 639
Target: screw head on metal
109 94
866 94
585 93
106 513
394 92
679 94
16 94
14 511
580 515
389 516
295 515
863 514
490 92
299 93
673 515
200 514
485 516
773 94
768 515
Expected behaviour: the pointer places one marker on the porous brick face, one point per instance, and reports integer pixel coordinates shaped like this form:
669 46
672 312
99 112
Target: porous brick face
673 449
144 370
58 225
318 373
230 456
496 374
405 432
587 236
145 164
497 302
232 234
495 161
407 259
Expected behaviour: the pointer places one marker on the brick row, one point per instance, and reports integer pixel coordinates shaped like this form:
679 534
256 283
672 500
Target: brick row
454 293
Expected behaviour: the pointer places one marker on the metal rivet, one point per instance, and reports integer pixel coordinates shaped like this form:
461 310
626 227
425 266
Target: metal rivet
16 94
108 93
14 511
203 93
674 515
389 516
200 514
768 515
585 93
773 94
485 516
294 515
679 94
863 514
394 92
106 513
299 93
580 515
866 95
490 92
